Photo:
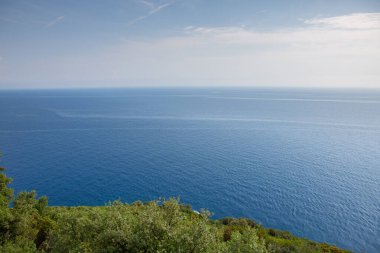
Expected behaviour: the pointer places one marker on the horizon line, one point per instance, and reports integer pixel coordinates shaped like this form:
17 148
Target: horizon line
192 87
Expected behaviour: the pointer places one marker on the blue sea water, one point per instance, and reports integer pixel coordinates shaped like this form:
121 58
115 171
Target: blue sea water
302 160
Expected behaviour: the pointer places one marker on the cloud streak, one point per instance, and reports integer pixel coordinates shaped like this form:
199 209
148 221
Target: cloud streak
9 20
54 21
146 3
154 10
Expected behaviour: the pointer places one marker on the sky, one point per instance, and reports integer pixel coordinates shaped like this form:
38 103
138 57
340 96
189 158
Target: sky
198 43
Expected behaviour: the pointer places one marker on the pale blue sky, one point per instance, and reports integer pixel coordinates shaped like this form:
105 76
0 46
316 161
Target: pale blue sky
329 43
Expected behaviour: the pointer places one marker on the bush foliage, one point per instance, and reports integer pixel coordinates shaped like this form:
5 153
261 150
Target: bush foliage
28 224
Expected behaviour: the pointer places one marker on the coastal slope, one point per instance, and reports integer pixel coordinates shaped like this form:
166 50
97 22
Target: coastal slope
28 224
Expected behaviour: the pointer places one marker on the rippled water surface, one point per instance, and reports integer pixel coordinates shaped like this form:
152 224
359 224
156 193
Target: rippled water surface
307 161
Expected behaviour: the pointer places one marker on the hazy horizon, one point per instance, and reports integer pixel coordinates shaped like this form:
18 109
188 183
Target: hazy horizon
181 87
141 43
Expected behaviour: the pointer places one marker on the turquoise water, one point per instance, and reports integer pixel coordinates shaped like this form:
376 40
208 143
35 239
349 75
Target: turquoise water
307 161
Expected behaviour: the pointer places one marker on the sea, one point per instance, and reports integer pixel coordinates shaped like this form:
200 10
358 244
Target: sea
302 160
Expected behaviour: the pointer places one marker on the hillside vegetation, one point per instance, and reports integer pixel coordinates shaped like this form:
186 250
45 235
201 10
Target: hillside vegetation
28 224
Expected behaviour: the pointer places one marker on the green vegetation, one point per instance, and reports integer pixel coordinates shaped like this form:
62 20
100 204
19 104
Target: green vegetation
28 224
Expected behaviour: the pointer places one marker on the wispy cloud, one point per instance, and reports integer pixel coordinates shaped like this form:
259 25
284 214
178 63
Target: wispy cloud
54 21
13 21
351 30
146 3
352 21
154 9
331 51
308 54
